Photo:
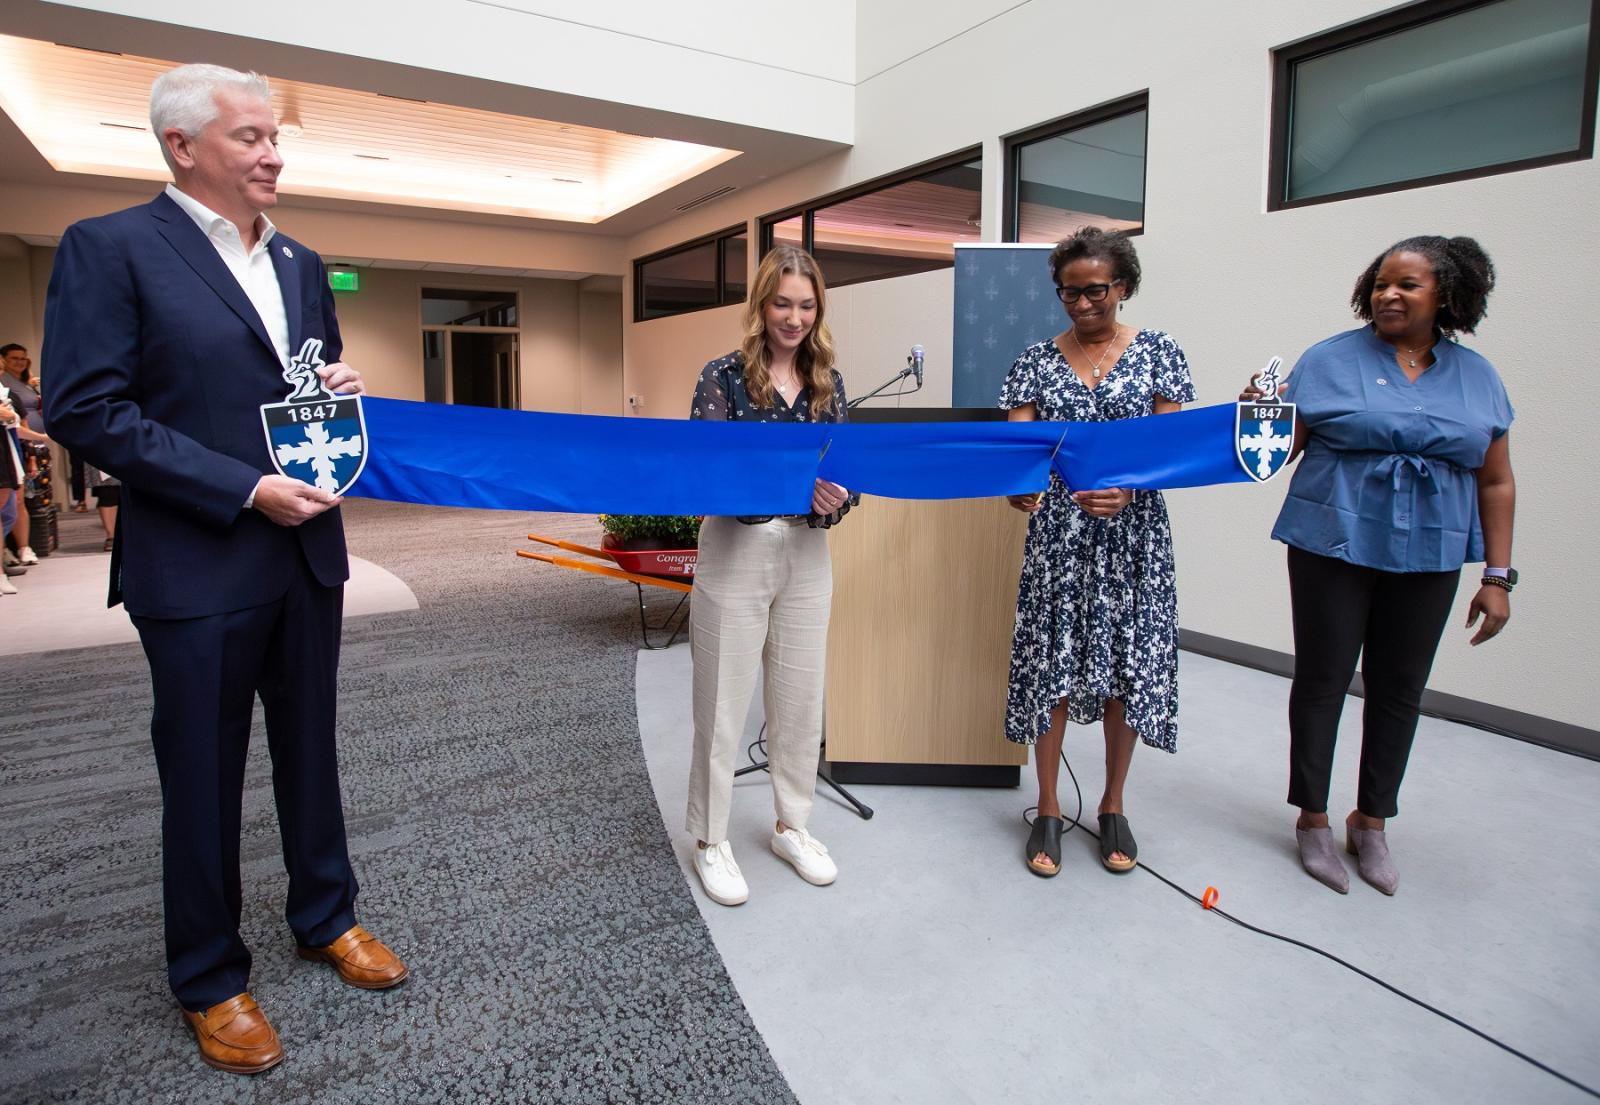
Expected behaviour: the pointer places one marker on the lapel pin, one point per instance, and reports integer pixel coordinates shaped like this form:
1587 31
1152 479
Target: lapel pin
287 252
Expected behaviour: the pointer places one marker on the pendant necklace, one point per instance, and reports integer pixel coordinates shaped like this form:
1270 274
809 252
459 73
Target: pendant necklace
1094 366
1412 354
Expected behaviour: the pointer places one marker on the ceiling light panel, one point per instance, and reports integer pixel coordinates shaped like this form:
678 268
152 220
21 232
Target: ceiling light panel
87 112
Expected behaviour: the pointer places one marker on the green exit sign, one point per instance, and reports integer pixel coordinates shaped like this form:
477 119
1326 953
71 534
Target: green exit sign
344 281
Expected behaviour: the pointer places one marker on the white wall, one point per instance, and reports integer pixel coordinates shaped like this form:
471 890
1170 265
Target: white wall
1235 284
770 66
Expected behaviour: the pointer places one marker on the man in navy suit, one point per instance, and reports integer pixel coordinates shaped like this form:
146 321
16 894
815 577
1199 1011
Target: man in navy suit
166 328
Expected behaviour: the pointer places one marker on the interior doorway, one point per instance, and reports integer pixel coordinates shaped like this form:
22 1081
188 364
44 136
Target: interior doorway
470 347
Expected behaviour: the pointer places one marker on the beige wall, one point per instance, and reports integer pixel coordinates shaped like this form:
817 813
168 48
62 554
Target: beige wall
338 233
600 353
16 295
569 363
567 366
1235 284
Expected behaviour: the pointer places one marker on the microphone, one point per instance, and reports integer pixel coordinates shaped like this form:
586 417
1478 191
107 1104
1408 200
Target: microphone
915 361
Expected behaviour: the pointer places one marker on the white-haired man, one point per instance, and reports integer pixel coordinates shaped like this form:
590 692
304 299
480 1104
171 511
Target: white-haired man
166 328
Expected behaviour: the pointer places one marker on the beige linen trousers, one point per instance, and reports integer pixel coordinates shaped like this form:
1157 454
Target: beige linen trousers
761 596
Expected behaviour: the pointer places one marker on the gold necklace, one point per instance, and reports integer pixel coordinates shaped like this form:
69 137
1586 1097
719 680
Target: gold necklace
1094 368
1411 359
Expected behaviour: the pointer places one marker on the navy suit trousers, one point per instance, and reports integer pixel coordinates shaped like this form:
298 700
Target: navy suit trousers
206 673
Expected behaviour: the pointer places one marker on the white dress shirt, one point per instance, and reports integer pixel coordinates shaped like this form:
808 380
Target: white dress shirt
254 272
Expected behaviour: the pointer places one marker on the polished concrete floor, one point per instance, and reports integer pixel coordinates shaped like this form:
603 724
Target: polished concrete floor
937 969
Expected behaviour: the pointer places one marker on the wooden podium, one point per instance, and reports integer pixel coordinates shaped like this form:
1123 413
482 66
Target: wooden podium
919 645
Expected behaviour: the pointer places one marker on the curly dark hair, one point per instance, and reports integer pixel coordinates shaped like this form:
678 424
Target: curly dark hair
1463 270
1101 245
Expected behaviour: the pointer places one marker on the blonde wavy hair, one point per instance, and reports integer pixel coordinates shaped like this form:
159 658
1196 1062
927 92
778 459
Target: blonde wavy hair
814 358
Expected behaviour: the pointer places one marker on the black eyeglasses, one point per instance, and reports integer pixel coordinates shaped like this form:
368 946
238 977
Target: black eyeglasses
1095 293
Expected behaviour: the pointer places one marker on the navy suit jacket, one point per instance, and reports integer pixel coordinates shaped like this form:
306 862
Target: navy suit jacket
157 365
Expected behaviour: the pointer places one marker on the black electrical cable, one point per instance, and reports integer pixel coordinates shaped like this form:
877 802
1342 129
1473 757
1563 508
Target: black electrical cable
761 743
1369 976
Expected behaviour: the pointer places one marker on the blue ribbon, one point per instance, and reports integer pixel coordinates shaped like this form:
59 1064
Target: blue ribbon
529 460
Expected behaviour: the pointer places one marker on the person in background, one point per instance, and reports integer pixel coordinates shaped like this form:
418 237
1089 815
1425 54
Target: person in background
11 481
1404 475
1096 636
107 492
15 375
763 586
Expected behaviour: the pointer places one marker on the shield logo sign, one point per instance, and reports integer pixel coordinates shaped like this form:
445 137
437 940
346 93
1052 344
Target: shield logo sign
315 436
1263 434
1263 428
323 442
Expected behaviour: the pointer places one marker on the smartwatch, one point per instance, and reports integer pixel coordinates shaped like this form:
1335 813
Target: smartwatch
1500 577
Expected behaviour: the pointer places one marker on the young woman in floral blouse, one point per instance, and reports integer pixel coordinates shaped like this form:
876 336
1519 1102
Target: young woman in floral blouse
763 585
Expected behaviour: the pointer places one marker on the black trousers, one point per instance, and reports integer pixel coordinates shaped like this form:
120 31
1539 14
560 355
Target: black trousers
1393 621
206 673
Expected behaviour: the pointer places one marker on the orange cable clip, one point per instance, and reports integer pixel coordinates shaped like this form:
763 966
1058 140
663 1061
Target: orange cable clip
1209 898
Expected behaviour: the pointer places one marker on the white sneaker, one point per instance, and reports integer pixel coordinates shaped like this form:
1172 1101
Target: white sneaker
27 557
807 855
11 560
6 587
720 875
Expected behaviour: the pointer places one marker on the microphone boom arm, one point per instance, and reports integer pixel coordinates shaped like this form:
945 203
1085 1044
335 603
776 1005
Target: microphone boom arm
908 370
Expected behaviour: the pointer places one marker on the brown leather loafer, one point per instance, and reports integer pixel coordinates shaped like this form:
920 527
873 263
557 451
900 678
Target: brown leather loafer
235 1035
361 960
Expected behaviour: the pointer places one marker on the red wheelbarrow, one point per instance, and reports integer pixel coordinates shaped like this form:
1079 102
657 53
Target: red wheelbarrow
667 569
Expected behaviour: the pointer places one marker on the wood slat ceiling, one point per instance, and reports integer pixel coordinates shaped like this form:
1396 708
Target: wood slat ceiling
87 112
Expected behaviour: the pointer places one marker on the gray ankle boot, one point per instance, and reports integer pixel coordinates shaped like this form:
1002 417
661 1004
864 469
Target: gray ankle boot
1371 849
1320 857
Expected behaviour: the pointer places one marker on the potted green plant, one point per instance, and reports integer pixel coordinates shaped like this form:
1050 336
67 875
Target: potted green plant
653 544
650 531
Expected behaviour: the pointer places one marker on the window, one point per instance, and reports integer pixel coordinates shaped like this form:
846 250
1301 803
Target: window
470 347
1084 170
1433 92
468 307
894 226
708 272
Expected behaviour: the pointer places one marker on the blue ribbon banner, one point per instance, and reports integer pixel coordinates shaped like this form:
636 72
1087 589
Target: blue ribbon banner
529 460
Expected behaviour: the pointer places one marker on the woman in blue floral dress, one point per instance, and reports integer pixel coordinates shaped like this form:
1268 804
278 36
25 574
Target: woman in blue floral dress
1097 613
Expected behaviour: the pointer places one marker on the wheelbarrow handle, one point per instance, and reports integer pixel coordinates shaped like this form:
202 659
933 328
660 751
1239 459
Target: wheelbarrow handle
602 570
599 554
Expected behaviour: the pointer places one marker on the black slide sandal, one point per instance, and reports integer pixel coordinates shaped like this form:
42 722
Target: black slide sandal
1115 836
1046 838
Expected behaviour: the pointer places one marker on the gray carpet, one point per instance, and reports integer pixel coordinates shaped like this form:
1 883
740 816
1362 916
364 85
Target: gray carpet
502 825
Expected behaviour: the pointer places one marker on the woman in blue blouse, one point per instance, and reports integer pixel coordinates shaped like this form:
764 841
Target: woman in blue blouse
1405 475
